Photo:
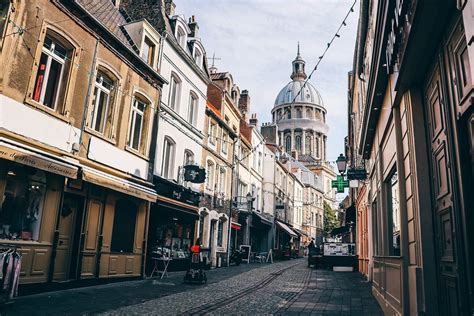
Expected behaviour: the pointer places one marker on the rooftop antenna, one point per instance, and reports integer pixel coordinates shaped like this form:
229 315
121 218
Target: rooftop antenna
213 68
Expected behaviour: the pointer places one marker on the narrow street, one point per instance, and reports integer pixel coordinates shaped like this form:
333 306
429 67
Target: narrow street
287 288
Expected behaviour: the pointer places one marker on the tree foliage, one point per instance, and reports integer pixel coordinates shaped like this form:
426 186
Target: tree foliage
330 219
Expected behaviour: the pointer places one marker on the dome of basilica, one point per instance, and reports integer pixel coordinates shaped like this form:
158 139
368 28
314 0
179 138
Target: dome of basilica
309 94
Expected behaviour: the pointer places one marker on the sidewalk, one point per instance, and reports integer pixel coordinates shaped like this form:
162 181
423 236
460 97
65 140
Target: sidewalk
95 299
334 293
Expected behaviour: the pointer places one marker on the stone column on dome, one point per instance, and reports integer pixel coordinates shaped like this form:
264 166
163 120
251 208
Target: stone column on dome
303 142
324 148
292 140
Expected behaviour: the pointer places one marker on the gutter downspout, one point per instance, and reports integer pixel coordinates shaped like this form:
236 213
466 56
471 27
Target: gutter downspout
89 89
229 228
362 37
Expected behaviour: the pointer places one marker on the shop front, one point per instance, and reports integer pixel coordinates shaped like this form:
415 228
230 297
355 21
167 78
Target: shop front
286 241
31 185
260 232
172 225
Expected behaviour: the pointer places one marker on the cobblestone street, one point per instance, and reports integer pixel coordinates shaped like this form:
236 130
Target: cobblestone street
286 288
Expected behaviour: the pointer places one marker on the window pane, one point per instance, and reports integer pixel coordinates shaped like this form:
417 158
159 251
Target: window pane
137 131
123 231
394 205
101 111
52 85
40 77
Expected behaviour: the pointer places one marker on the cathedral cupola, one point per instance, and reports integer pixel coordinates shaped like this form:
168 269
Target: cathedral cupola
298 67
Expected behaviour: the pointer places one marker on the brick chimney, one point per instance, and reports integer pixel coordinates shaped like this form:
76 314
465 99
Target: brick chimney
193 26
244 102
270 132
170 6
253 121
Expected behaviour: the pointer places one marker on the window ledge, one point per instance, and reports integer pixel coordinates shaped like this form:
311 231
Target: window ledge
136 153
101 136
45 109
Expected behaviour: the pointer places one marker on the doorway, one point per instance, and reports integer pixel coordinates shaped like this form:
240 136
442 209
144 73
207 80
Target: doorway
69 235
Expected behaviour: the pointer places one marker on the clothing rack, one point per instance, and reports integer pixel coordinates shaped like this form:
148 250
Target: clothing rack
10 267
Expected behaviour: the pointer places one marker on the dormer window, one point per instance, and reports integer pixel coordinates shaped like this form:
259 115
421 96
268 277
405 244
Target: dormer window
198 57
148 51
181 37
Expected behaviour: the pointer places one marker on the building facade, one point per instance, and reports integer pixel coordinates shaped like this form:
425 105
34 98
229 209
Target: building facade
75 140
410 126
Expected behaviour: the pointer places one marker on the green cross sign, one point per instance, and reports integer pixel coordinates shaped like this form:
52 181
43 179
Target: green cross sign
340 184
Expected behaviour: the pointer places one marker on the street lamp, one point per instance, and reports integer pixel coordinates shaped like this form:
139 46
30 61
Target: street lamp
341 163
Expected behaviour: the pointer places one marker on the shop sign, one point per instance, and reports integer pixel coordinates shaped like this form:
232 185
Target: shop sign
340 184
35 160
194 174
356 174
399 25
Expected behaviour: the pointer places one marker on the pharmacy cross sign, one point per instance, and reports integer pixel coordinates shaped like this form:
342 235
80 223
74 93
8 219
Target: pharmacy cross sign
340 184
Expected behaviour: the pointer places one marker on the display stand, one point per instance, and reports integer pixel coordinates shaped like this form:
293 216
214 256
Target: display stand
245 249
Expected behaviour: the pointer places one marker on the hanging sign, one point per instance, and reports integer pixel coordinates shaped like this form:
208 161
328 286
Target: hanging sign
356 174
340 184
194 174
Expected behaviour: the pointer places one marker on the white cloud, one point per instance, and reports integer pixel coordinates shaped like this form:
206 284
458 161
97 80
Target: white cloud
256 41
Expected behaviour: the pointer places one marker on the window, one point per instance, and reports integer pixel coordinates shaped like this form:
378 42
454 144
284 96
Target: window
288 144
198 57
21 205
309 113
181 37
51 78
393 212
317 147
167 163
102 102
288 113
123 231
308 148
225 140
220 233
210 175
222 179
148 51
298 143
212 133
135 137
175 89
299 113
192 108
188 157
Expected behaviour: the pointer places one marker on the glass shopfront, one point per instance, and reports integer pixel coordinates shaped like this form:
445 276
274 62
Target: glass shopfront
173 239
22 192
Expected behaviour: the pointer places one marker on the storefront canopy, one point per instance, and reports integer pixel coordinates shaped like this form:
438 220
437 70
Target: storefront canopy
257 217
36 158
178 209
118 184
286 229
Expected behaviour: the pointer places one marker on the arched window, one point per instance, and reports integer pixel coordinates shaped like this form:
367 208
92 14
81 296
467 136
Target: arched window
317 147
288 113
298 143
53 72
102 110
210 175
308 145
192 108
188 157
181 37
139 118
309 113
175 89
167 163
198 57
299 113
288 144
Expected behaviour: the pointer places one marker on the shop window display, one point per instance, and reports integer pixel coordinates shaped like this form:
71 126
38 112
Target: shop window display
21 204
173 240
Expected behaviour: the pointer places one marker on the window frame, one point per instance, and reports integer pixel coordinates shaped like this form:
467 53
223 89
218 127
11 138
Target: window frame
175 92
110 102
188 153
167 163
150 58
210 174
192 108
133 114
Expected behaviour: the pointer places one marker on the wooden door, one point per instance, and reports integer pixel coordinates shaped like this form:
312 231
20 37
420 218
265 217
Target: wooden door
91 239
436 113
70 213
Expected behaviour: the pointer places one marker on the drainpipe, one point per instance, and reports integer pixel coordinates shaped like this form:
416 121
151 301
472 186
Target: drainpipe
229 228
88 95
363 24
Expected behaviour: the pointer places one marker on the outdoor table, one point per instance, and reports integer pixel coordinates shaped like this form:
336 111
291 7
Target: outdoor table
166 261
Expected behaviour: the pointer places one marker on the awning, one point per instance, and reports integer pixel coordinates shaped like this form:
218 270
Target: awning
38 159
286 229
300 232
118 184
262 219
235 226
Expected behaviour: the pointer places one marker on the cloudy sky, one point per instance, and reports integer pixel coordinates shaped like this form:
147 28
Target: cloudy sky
257 39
